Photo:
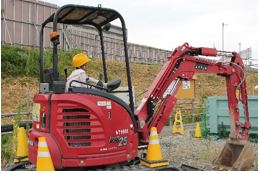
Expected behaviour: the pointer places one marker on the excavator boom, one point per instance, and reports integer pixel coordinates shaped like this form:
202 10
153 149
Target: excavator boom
183 63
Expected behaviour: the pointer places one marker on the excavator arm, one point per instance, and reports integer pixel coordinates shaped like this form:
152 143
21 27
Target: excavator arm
183 63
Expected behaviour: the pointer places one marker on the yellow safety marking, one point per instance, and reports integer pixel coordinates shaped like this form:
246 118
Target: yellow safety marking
153 129
153 137
43 149
153 165
42 139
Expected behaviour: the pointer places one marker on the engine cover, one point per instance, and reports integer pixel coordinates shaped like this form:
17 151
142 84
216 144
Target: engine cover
85 130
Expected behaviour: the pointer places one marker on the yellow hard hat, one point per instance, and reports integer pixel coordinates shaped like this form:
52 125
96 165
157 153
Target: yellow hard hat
80 59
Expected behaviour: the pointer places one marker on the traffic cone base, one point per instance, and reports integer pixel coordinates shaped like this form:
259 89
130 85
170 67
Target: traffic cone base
154 155
22 146
197 131
154 164
178 124
179 129
21 159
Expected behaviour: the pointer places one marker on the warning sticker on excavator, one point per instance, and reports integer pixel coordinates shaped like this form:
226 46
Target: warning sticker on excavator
105 103
186 85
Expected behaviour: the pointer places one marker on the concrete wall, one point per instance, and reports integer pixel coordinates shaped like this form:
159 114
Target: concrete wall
21 20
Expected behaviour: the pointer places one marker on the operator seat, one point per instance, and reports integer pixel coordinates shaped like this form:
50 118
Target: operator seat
111 85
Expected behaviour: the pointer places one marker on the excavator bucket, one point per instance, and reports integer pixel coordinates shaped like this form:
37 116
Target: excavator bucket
236 155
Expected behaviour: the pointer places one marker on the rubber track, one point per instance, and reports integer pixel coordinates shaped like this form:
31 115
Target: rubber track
138 167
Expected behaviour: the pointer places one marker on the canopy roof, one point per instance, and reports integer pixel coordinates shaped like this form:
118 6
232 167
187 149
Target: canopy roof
77 14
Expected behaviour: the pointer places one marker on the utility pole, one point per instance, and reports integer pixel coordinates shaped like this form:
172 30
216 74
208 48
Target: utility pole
223 24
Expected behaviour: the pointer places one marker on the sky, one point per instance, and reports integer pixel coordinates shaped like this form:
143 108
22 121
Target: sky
167 24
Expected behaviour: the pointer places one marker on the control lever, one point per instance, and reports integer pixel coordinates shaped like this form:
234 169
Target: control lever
66 73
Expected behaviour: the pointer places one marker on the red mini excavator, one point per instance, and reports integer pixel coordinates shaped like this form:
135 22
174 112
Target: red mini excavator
90 126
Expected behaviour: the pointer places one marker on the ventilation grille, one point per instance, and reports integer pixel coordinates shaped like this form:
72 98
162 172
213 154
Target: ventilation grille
81 128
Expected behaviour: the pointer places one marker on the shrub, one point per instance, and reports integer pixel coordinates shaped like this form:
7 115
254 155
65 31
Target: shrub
13 60
18 61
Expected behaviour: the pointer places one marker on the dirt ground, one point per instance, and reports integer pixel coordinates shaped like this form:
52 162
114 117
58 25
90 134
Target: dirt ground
199 153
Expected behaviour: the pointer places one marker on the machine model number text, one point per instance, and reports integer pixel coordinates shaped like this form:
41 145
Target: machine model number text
121 131
121 140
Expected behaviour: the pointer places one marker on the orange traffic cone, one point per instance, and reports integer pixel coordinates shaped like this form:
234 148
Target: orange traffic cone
44 161
197 131
154 155
22 146
178 124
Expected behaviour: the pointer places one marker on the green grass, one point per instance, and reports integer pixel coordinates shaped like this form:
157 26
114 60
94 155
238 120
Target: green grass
18 61
9 141
6 148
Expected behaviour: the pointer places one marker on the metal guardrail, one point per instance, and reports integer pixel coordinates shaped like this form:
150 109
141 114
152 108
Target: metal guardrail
7 129
10 114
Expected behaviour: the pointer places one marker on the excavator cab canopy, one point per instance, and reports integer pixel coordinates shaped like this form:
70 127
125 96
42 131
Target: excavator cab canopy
75 14
98 17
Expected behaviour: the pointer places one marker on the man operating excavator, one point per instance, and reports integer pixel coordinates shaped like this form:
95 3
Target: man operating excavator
79 75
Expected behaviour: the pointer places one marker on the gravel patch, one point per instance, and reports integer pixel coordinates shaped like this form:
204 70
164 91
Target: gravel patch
199 153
